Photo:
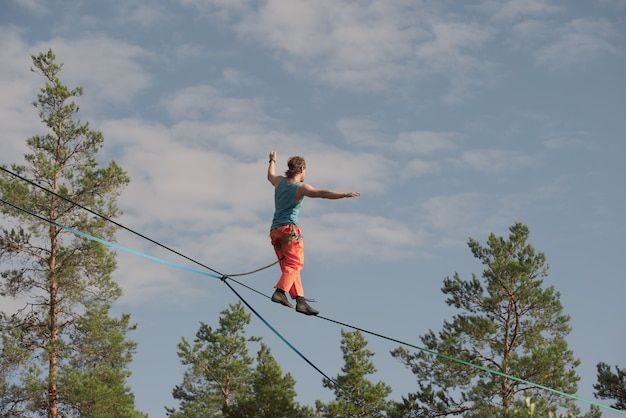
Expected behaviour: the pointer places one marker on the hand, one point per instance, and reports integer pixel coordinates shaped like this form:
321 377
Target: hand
353 194
273 155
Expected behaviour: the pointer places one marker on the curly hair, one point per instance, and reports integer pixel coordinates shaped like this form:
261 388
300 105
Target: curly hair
295 166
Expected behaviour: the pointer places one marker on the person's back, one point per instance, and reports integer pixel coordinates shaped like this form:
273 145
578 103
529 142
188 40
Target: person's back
286 208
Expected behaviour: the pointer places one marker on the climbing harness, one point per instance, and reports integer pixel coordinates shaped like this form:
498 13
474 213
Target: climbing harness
293 236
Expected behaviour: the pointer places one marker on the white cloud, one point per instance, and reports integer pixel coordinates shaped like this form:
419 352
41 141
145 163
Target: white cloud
419 167
37 7
514 205
225 8
142 13
527 34
452 218
492 160
237 78
160 166
18 118
568 45
424 142
363 46
186 51
363 132
204 101
210 122
449 212
514 9
366 133
617 5
184 188
446 45
332 168
570 140
108 69
579 42
360 236
146 280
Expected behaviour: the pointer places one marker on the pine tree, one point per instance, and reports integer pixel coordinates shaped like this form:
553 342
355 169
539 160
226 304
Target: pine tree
63 281
355 396
15 361
220 368
509 322
95 386
611 385
272 396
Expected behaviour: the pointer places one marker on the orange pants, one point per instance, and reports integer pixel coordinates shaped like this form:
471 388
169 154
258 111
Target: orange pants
289 247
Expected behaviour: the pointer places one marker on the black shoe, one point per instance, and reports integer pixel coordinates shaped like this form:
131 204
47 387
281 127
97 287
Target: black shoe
303 307
280 297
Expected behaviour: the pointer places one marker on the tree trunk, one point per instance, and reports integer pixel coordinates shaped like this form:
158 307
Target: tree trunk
53 395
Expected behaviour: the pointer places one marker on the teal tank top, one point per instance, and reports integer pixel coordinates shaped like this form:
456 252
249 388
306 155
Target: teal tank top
287 209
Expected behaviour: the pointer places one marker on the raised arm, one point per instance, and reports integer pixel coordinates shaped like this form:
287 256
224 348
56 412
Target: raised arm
310 191
271 170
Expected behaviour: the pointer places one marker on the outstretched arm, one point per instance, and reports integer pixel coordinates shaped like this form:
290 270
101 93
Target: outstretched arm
271 170
310 191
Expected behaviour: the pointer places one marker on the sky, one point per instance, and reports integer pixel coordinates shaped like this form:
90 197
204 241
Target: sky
453 119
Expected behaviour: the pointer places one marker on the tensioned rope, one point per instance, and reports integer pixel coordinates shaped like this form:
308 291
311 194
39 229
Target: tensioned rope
183 267
224 277
333 381
110 244
128 229
479 367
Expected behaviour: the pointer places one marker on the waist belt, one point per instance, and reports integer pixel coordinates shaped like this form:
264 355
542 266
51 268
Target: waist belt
294 235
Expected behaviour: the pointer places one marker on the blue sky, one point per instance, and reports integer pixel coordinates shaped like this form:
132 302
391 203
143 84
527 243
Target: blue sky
453 119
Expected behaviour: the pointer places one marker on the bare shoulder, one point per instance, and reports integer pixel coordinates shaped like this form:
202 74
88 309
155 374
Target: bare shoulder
275 180
305 189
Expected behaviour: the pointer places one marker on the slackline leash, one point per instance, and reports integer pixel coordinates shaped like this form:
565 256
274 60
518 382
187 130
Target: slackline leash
223 277
193 270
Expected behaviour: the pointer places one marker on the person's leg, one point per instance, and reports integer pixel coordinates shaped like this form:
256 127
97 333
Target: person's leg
295 249
303 307
279 294
292 250
288 245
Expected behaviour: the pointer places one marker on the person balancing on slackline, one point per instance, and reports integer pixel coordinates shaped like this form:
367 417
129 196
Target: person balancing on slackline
289 192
